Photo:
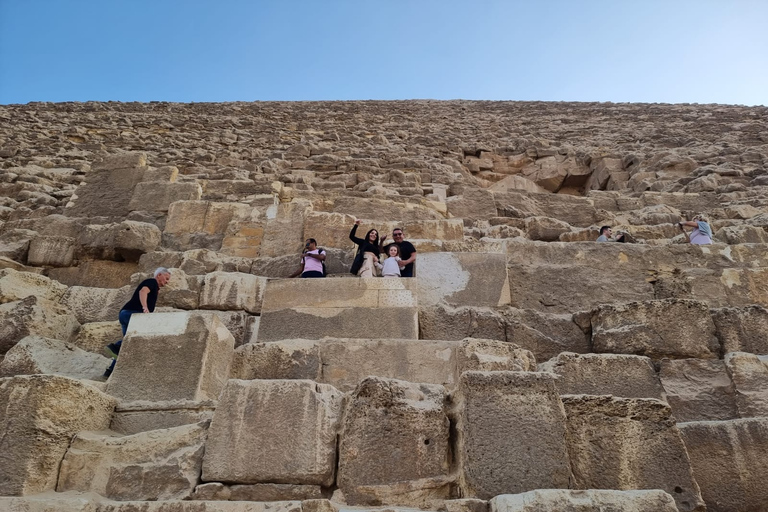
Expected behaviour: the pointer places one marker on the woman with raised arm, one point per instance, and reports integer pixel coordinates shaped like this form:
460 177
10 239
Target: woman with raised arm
702 232
367 255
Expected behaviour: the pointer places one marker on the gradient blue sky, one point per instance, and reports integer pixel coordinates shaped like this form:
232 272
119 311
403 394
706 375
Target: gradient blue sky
696 51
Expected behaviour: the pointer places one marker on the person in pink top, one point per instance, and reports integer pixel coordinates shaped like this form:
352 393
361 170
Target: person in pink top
311 261
701 234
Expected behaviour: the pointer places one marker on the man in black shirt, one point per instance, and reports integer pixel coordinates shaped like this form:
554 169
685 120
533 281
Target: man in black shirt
407 252
143 301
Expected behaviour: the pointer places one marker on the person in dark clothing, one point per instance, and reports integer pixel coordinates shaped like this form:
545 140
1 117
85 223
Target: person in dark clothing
407 252
143 301
367 255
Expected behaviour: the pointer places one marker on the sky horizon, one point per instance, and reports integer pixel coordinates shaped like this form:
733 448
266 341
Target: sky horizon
681 51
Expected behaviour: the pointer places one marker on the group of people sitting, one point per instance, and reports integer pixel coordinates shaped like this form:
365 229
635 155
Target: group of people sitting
701 234
398 261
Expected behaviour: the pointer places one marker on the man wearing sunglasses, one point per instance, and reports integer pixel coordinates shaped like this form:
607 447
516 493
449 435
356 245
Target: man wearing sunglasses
407 252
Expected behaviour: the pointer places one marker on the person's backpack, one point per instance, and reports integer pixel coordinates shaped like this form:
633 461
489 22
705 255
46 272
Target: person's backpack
320 251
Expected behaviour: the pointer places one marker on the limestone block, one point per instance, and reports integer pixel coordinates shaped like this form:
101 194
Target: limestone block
284 230
165 174
274 431
584 501
698 389
742 329
19 285
472 204
384 210
173 356
132 239
232 291
545 228
463 279
107 188
629 443
14 244
243 237
142 416
493 463
730 462
343 308
605 374
157 465
39 414
90 304
35 316
741 234
95 273
274 492
52 502
181 291
35 354
156 196
474 354
52 251
515 182
395 432
749 375
201 506
671 328
199 224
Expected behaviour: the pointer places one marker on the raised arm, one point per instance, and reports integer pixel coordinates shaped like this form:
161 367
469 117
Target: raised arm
358 241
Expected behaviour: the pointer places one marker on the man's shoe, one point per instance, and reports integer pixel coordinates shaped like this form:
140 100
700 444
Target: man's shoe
114 348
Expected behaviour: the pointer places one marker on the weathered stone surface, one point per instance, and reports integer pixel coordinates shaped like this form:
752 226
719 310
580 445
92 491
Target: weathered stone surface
96 304
274 492
742 234
173 356
343 308
19 285
605 374
200 224
94 336
95 273
274 431
584 501
463 279
52 251
200 506
34 316
472 204
35 354
284 231
156 465
730 462
395 432
142 416
656 329
525 403
742 329
698 389
232 291
39 414
629 443
749 375
157 196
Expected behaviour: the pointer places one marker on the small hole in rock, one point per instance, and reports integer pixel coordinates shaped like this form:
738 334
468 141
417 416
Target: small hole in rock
426 441
678 489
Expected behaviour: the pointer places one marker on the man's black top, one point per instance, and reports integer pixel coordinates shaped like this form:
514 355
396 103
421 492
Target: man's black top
135 304
406 250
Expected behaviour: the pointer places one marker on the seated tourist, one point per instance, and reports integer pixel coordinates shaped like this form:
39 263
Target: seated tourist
606 235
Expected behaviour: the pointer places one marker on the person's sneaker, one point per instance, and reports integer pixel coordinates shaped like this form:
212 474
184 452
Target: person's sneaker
114 348
108 372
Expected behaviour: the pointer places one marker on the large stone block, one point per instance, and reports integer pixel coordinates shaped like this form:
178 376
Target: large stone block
142 416
157 465
39 414
276 431
593 500
93 337
659 328
35 354
35 316
173 356
343 363
52 251
492 462
95 273
232 291
284 230
749 375
394 446
200 224
698 389
16 285
90 304
605 374
343 308
154 196
742 329
629 443
730 462
463 279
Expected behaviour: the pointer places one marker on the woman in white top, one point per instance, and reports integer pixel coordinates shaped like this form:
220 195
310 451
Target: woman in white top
701 234
391 268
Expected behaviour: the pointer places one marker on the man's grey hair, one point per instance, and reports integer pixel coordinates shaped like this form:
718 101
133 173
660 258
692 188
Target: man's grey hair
162 270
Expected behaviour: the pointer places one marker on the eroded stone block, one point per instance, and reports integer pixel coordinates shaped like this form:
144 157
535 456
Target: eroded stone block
749 375
35 354
583 501
698 389
742 329
232 291
34 316
463 279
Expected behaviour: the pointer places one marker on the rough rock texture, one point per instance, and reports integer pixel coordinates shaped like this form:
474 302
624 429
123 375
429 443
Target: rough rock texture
526 403
629 443
730 462
656 329
605 374
173 356
274 431
19 285
142 416
748 373
585 501
742 329
39 414
698 389
394 445
34 316
156 465
462 279
35 354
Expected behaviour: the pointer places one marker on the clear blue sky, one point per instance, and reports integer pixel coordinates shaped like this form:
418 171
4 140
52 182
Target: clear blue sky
697 51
